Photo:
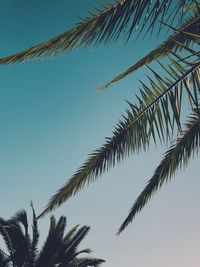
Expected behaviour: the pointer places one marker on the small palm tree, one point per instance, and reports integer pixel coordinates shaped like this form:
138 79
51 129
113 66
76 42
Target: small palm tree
59 249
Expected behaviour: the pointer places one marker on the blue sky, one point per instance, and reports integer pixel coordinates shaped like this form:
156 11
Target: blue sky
52 118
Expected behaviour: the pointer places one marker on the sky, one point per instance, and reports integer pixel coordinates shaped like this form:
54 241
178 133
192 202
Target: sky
51 118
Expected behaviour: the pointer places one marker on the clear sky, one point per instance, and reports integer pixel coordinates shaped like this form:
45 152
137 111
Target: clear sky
51 119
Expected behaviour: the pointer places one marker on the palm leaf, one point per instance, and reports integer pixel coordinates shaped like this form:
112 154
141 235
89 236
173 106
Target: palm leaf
68 251
158 112
21 217
182 36
18 236
3 231
71 233
177 157
14 235
53 244
58 250
102 26
35 240
71 245
85 262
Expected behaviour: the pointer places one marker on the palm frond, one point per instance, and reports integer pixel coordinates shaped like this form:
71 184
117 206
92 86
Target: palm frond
87 251
35 240
155 117
13 235
21 217
16 236
58 249
103 25
3 232
72 244
53 244
177 157
85 262
185 35
71 233
69 248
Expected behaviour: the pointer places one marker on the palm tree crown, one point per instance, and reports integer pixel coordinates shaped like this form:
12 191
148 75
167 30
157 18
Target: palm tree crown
59 249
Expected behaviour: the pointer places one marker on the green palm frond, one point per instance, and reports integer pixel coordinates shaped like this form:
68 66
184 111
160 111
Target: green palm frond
104 25
71 245
177 157
186 35
68 253
71 233
156 116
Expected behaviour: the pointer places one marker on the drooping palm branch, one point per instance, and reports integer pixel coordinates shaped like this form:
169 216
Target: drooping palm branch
185 35
155 117
105 24
177 157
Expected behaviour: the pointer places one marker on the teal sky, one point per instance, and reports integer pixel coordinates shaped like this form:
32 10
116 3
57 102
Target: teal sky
51 119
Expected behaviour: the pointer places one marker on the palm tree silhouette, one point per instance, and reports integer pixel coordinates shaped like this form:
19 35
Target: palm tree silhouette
59 249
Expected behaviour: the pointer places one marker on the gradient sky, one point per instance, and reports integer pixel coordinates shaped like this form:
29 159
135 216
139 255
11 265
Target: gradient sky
52 118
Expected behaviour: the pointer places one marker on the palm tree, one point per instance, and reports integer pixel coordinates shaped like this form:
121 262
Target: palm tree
107 23
58 250
158 115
